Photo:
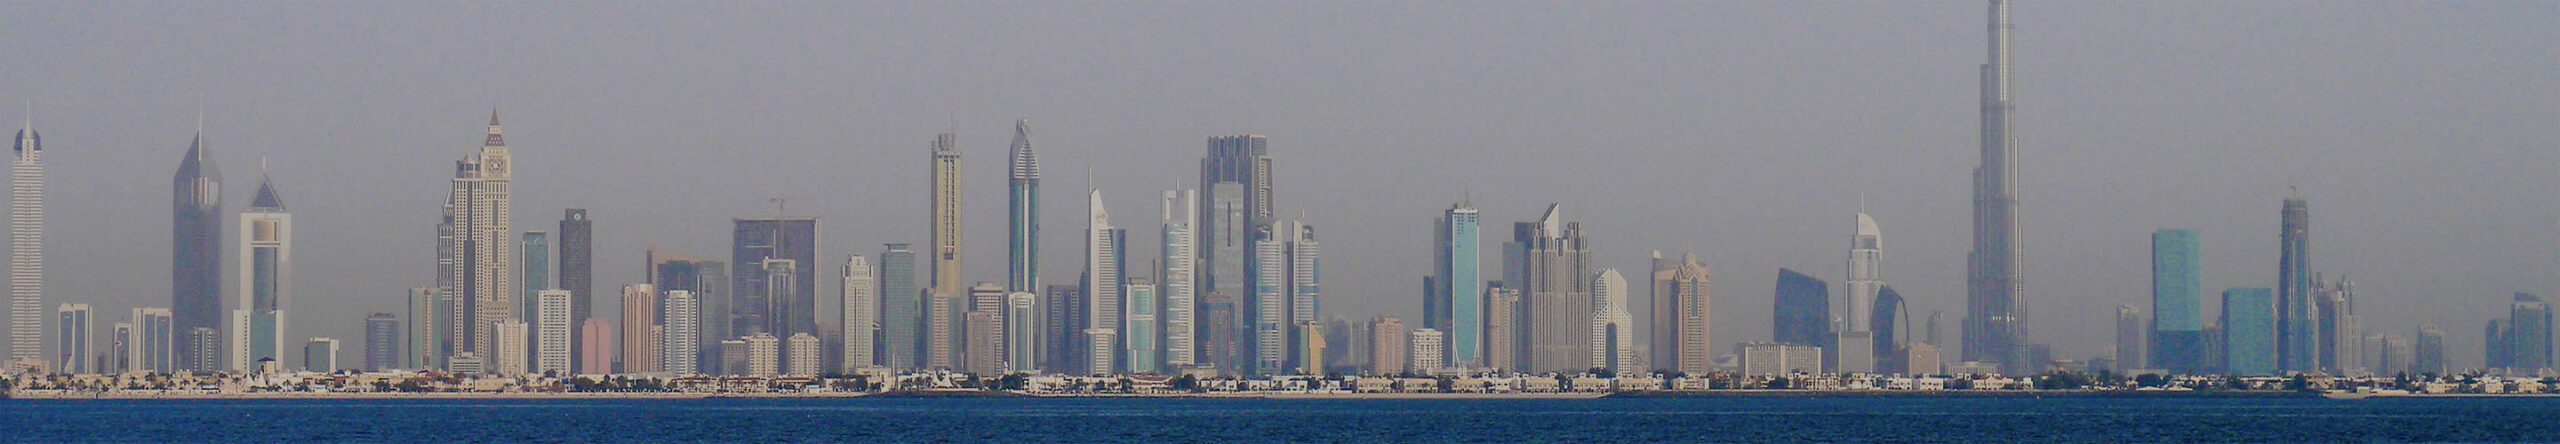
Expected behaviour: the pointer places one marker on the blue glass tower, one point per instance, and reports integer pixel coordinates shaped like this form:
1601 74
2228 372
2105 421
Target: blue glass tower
2177 322
2298 324
1803 310
1459 283
1022 263
2248 331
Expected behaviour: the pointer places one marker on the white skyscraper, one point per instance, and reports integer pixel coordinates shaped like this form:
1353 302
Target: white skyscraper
265 281
680 345
805 357
764 355
551 332
1178 278
1613 332
1427 350
1271 306
1866 258
1102 288
482 245
1305 289
72 340
513 335
26 248
1857 341
861 314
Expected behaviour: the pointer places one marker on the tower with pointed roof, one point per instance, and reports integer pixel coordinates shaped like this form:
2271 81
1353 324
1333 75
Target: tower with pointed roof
1548 262
1022 204
265 282
195 263
481 246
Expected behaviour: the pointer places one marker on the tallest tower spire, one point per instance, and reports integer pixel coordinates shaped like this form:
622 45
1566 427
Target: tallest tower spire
1996 325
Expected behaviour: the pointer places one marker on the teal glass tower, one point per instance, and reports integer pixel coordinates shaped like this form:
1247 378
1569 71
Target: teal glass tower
1458 283
1022 205
2177 321
2248 331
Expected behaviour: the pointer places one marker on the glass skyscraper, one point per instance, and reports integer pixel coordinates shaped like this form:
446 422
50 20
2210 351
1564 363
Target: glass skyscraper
1458 283
1803 310
2177 318
2298 320
2248 331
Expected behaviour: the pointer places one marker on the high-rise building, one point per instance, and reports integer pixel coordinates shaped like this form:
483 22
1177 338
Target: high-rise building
1866 273
709 281
1268 310
2297 317
1613 336
2248 331
1502 338
1427 351
902 332
1062 333
266 278
2341 338
534 250
551 330
1387 344
1856 346
513 335
1802 309
1222 257
2528 346
1022 211
1306 290
481 255
1103 257
1689 346
804 356
1765 359
320 355
26 248
2495 342
1996 301
1179 279
2129 337
1454 296
1220 327
639 329
1350 346
754 304
680 348
578 275
1022 333
1549 263
381 342
1142 352
733 356
71 339
861 307
944 227
1311 349
1892 327
421 352
119 357
597 354
154 341
2177 304
982 329
2429 356
195 268
764 355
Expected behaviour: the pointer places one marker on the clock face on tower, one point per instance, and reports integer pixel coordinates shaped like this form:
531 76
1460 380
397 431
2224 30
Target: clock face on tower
497 167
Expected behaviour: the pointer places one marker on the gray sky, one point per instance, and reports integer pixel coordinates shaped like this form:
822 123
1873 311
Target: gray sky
2422 132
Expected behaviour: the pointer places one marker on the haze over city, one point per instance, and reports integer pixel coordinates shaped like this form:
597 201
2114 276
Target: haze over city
2422 135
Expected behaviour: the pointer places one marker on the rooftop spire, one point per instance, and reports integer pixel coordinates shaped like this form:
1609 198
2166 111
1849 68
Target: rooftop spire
494 138
267 199
1025 165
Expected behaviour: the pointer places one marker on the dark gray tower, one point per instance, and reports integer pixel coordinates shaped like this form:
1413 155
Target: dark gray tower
578 275
1996 309
195 264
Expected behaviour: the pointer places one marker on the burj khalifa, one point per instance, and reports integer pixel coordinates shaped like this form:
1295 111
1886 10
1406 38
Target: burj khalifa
1995 301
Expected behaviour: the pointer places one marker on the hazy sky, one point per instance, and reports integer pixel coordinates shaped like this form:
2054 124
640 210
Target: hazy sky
2423 133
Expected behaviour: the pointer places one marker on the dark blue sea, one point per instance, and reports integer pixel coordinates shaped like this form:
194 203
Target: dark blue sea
1250 420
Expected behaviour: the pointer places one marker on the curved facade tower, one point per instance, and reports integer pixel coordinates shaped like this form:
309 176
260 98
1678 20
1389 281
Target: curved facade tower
1022 266
1995 302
